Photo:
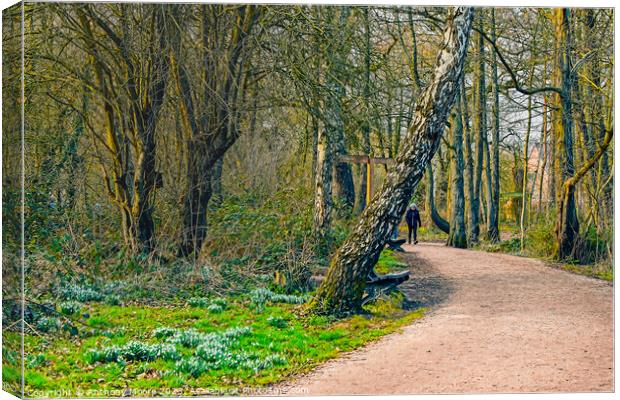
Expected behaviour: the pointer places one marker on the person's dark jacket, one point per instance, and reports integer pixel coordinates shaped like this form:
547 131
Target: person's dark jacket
413 218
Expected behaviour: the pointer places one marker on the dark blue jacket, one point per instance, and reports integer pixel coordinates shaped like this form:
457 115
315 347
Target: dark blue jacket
413 218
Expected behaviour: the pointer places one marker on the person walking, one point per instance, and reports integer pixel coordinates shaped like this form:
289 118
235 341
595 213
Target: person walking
413 222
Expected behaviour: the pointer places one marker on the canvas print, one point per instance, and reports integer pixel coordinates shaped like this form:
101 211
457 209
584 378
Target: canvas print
248 199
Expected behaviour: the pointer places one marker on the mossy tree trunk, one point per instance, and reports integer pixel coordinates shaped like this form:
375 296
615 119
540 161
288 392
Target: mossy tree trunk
480 129
567 225
342 290
457 235
132 97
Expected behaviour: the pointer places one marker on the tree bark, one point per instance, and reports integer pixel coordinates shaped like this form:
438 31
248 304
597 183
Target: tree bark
472 217
493 223
567 225
130 114
323 203
211 125
457 234
341 291
365 129
345 191
480 130
441 223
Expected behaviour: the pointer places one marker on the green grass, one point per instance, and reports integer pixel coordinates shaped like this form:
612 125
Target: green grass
539 245
388 262
282 342
431 234
604 271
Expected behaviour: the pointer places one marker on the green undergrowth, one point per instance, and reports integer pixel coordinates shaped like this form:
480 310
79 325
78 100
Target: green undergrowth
604 271
249 342
388 262
430 234
539 244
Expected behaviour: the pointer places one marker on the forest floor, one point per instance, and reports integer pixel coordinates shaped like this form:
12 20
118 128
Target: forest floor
497 323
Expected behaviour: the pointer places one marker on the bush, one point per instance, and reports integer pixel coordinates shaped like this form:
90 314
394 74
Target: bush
80 293
215 308
112 300
34 361
197 302
512 245
187 338
48 324
540 239
220 301
272 360
134 351
70 307
195 366
263 234
192 338
261 296
163 332
277 322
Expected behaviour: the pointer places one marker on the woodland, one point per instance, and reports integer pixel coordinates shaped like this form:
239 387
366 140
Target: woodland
189 219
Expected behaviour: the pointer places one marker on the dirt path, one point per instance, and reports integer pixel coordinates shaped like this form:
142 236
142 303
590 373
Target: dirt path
497 323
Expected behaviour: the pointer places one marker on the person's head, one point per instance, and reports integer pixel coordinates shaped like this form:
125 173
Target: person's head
413 206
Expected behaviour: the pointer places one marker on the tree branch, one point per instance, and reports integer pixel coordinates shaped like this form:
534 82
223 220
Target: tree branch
513 76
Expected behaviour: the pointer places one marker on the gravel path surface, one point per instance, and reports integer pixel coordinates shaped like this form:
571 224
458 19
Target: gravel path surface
497 323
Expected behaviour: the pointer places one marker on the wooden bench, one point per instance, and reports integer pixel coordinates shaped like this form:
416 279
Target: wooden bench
378 285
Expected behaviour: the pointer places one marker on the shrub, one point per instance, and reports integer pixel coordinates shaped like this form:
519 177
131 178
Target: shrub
512 246
33 361
195 366
112 300
261 296
277 322
234 333
215 351
48 324
197 302
105 355
134 351
272 360
70 307
215 308
163 332
80 293
220 301
192 338
187 338
113 333
541 239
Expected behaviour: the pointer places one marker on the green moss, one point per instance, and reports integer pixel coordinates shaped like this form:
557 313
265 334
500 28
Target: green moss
388 262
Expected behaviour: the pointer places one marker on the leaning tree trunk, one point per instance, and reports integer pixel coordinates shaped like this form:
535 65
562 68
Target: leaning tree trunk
341 291
439 222
457 235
